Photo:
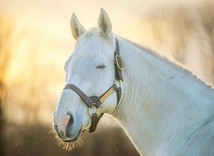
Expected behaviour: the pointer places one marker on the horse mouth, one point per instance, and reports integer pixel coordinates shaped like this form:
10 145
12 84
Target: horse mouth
74 138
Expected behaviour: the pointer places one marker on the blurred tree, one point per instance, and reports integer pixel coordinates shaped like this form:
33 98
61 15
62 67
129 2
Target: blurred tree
1 123
5 38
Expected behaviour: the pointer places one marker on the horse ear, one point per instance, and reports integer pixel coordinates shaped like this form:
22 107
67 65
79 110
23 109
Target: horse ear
76 28
104 22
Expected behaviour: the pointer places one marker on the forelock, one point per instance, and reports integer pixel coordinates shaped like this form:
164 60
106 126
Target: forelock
95 32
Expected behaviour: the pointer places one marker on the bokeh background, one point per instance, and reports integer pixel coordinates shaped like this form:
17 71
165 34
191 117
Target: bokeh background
35 41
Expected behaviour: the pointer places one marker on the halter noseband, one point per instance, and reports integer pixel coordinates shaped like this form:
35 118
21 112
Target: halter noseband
94 102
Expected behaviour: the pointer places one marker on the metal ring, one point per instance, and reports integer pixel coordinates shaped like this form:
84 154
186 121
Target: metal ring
92 110
119 62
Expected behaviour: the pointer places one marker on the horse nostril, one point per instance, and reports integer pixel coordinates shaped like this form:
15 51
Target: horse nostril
71 119
57 131
69 125
55 127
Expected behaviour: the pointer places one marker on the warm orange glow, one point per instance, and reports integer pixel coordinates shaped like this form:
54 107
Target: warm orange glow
35 41
42 42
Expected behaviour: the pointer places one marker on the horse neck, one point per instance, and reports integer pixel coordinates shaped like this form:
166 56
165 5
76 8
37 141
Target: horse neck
158 98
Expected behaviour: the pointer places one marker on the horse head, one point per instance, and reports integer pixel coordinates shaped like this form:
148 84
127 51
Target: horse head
93 75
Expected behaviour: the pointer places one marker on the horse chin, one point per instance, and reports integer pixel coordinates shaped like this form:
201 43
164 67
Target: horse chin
74 138
70 144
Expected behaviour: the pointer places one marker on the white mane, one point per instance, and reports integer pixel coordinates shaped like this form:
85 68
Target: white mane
170 62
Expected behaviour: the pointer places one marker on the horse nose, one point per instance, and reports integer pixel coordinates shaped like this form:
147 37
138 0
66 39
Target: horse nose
68 128
69 125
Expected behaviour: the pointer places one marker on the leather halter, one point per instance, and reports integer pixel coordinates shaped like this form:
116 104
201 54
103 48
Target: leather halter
94 102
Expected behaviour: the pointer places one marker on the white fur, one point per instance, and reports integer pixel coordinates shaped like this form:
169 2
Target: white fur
165 109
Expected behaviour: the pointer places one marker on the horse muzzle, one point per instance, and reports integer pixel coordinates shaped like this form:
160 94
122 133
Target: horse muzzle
70 134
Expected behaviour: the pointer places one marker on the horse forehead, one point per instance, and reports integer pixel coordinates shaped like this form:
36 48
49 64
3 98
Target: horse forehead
87 55
93 40
93 48
88 44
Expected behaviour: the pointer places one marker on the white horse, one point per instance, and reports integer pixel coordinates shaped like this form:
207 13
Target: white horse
164 109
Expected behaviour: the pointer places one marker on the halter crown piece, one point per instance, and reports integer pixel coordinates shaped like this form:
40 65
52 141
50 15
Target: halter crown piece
94 102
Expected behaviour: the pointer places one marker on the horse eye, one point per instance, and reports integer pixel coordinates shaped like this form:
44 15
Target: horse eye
101 66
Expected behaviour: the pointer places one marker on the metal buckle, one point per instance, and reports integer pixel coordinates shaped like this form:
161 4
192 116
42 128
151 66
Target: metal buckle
119 62
118 83
92 110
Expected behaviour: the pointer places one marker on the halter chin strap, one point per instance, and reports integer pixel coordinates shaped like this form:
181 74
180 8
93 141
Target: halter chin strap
94 102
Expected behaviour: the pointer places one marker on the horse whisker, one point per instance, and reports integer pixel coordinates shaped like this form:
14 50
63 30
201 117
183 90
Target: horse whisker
68 146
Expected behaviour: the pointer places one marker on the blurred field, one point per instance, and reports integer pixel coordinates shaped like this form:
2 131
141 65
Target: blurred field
35 41
25 140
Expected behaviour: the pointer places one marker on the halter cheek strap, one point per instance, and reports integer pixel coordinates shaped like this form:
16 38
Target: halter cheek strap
94 102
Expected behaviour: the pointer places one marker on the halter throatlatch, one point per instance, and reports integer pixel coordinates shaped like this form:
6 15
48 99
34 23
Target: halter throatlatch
94 102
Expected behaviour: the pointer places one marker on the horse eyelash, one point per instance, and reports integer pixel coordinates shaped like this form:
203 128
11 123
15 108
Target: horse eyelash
101 66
